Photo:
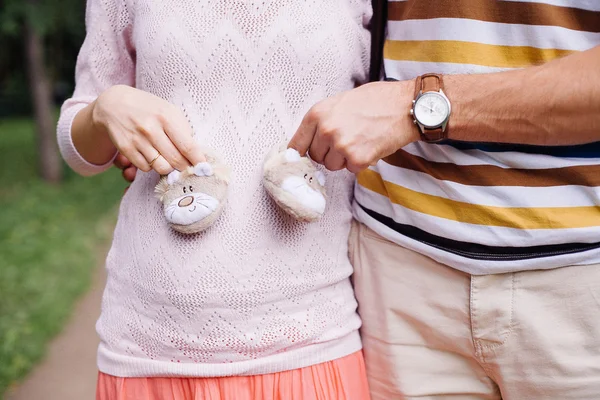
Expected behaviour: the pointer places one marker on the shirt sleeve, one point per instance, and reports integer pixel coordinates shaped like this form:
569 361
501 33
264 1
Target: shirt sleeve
106 58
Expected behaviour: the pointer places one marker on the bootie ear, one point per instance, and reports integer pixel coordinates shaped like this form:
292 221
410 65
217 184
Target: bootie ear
193 199
321 178
173 177
292 155
295 184
203 169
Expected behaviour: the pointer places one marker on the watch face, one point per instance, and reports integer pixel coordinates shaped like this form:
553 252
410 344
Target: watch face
431 110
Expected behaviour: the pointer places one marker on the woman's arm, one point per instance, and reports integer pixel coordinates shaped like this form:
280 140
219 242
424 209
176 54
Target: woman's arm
93 145
106 114
105 59
141 126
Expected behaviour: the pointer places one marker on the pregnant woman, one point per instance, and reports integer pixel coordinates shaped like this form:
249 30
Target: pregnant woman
258 306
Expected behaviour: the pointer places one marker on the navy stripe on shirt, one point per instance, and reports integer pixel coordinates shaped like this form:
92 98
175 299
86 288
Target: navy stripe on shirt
590 150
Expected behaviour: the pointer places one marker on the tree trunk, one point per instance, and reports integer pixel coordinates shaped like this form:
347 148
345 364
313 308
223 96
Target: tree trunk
49 161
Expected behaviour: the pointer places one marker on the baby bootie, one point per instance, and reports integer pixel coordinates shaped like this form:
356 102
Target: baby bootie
295 184
194 198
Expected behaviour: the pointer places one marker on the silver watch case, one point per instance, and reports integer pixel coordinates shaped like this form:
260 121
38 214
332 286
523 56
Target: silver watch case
422 126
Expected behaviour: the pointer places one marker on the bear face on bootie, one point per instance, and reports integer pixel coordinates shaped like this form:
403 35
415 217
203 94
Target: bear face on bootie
193 199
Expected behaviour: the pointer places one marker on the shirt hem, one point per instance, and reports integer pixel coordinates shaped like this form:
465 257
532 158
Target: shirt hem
126 366
475 266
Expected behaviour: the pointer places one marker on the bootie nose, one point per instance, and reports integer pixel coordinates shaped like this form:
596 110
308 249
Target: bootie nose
186 201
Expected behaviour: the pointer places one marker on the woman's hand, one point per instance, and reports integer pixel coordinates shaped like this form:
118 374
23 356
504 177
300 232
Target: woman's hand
146 130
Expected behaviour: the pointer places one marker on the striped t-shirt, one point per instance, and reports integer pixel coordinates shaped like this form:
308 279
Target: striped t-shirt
486 208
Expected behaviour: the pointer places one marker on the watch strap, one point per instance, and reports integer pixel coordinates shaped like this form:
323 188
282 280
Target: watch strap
431 83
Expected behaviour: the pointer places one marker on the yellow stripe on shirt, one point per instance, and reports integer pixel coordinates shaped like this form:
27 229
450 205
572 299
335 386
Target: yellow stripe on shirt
513 217
458 52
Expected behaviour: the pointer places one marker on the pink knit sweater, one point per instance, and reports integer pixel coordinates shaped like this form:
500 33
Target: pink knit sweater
258 292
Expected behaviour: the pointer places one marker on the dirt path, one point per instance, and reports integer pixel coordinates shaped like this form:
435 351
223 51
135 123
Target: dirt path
69 370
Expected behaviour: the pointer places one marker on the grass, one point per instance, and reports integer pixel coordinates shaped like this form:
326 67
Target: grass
50 236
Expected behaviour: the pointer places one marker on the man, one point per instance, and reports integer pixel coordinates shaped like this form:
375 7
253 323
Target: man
478 196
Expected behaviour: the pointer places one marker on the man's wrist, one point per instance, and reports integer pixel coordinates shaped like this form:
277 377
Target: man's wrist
479 106
454 89
408 129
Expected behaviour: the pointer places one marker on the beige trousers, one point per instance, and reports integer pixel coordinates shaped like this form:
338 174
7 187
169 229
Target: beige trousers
432 332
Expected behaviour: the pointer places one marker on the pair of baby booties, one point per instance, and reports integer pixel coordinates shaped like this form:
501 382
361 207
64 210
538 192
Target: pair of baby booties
194 198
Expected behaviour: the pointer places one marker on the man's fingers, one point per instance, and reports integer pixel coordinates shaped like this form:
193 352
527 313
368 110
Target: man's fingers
303 138
355 167
121 161
334 161
129 173
319 150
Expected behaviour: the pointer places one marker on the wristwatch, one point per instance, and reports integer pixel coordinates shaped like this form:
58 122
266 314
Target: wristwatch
431 108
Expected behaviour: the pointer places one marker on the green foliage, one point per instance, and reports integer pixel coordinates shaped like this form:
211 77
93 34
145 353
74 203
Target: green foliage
62 25
47 16
14 95
49 242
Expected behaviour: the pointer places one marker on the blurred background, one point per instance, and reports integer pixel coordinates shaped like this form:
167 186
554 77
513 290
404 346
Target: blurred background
54 226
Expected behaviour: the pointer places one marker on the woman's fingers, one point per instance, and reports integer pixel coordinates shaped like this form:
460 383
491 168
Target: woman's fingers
162 166
180 133
154 158
148 132
161 142
138 159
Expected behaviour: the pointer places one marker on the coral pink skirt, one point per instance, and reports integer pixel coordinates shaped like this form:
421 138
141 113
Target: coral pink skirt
342 379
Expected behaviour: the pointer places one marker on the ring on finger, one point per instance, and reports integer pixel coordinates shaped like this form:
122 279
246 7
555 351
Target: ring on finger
154 159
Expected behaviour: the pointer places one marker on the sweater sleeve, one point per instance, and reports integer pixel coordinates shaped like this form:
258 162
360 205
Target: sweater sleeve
106 58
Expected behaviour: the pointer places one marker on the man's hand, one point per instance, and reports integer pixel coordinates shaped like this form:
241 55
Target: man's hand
128 169
359 127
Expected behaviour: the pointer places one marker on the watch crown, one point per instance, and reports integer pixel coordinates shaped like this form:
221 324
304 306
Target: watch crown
414 121
414 101
412 111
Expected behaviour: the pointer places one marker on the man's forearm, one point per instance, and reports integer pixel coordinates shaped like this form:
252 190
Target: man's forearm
550 105
554 104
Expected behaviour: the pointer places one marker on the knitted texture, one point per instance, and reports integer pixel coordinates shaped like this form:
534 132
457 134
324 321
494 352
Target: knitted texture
257 292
